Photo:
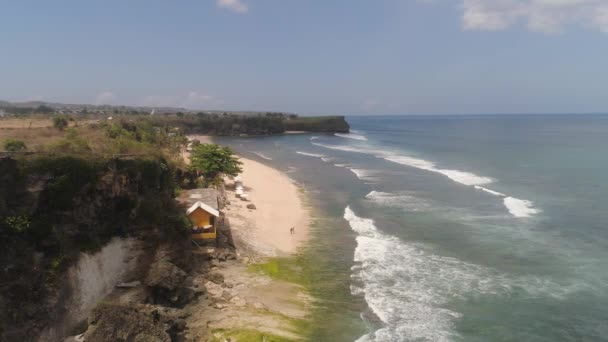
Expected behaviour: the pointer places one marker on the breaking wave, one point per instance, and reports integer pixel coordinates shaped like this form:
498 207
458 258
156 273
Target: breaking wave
365 175
403 201
351 135
463 177
518 208
409 288
311 154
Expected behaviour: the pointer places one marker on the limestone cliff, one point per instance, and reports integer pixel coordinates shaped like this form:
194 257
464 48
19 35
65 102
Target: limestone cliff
54 208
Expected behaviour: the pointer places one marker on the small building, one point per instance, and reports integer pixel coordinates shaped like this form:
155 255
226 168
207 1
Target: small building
203 212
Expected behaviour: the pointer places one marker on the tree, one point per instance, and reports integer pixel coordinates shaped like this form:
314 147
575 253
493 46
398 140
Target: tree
14 145
61 122
213 160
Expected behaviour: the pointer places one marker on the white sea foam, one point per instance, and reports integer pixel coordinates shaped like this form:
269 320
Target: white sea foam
520 208
311 154
351 136
463 177
495 193
517 207
327 159
259 154
407 286
366 175
400 200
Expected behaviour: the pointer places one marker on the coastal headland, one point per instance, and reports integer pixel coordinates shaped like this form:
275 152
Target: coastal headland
92 190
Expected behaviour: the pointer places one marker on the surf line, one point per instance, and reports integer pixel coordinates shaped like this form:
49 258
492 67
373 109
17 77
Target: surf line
517 207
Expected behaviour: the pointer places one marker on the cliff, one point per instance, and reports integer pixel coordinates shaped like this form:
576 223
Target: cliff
54 208
331 124
251 124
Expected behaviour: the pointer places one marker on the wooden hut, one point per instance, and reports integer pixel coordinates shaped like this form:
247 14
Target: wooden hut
203 212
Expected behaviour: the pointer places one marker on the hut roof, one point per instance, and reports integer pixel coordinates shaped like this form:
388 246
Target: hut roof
205 199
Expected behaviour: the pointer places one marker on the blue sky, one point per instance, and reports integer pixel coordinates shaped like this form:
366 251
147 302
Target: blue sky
310 56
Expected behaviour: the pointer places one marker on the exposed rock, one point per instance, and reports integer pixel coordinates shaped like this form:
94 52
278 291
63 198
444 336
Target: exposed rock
214 290
124 323
183 296
129 285
78 338
251 206
217 278
165 275
238 301
219 306
225 254
259 306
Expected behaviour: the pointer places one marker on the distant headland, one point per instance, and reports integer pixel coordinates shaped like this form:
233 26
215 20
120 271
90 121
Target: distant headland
213 122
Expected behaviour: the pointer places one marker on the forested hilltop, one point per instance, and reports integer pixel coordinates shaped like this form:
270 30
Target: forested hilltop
206 122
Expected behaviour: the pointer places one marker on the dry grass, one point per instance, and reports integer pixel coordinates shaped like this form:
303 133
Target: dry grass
90 139
17 123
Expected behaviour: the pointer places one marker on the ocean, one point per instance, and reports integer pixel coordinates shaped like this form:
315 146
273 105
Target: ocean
454 228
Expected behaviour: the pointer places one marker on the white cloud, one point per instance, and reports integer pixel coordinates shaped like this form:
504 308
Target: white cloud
233 5
105 97
547 16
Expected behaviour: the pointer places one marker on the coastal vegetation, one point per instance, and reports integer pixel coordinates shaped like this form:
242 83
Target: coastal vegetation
72 190
213 161
14 145
53 208
71 184
204 122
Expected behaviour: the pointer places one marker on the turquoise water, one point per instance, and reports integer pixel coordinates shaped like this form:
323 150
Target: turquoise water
455 228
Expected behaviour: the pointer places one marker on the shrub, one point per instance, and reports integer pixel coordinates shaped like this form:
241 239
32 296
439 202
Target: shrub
14 145
61 122
72 143
18 224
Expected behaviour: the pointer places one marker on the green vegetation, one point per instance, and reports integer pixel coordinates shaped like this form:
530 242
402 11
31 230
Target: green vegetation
212 161
14 145
72 143
284 268
61 122
246 335
317 124
54 207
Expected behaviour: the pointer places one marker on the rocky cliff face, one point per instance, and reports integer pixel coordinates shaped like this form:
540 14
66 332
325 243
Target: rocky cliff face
54 208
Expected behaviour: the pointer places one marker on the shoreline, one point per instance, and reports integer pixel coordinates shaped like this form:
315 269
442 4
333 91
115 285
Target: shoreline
252 302
278 207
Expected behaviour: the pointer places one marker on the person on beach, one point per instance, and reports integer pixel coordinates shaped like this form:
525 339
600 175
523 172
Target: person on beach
292 230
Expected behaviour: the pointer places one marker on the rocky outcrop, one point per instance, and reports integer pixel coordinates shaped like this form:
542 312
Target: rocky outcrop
169 285
128 324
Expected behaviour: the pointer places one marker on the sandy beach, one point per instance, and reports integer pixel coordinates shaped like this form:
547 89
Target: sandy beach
246 302
264 230
279 207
